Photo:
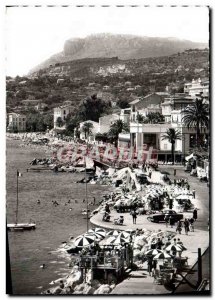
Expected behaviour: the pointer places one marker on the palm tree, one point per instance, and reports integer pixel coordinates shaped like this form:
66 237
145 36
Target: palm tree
172 135
115 129
196 116
140 118
87 129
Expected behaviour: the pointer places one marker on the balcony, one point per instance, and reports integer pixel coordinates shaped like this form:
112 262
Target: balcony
150 128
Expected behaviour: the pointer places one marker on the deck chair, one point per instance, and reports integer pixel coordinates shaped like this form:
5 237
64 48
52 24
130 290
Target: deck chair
119 221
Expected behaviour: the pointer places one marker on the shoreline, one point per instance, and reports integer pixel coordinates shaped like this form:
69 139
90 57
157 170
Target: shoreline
57 280
45 239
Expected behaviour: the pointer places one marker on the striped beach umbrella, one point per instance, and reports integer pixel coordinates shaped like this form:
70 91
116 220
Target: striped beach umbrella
125 235
162 255
182 246
84 240
116 240
153 252
113 233
98 231
130 231
174 248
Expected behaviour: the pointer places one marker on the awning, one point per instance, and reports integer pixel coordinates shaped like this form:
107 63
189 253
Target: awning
187 158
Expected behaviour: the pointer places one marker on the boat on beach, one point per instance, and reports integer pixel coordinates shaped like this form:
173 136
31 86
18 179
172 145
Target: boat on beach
20 226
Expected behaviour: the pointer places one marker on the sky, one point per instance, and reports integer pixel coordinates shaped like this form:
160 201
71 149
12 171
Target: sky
33 34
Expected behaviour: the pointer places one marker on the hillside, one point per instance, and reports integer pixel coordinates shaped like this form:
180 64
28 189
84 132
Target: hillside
125 47
112 79
186 63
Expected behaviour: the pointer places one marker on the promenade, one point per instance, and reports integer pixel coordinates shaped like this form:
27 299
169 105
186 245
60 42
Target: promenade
138 281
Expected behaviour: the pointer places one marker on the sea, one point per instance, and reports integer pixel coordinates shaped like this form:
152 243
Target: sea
55 225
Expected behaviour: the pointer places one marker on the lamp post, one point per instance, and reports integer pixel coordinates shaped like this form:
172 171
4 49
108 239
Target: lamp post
184 147
86 184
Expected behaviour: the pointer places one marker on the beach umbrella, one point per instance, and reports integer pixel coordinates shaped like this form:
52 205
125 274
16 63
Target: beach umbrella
98 231
124 235
162 255
96 235
116 240
113 233
181 246
130 231
84 240
174 248
153 252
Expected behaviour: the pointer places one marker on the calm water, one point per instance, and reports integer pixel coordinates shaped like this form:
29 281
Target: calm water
30 249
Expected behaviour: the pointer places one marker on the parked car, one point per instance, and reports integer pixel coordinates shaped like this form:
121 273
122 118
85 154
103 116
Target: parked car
159 217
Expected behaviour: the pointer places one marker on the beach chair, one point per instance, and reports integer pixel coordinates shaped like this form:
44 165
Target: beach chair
119 221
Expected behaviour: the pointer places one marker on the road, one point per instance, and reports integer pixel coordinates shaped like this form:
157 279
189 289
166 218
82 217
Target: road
204 209
202 201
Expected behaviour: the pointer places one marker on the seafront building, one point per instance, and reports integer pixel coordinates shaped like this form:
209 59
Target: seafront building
146 135
62 112
16 122
106 121
94 131
197 87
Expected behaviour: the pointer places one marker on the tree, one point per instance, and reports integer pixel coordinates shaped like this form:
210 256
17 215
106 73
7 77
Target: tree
87 129
122 103
92 108
32 119
172 135
72 123
48 121
115 129
59 122
196 115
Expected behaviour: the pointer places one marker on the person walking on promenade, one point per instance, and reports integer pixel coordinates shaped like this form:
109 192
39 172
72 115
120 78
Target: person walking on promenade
134 216
159 244
195 214
154 266
150 266
166 219
191 220
174 172
179 227
171 221
194 193
94 201
150 173
186 226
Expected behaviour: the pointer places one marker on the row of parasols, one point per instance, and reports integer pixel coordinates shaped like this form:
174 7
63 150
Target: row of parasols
104 238
115 237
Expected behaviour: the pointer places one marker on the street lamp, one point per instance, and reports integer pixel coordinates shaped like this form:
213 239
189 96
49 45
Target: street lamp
183 137
86 184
